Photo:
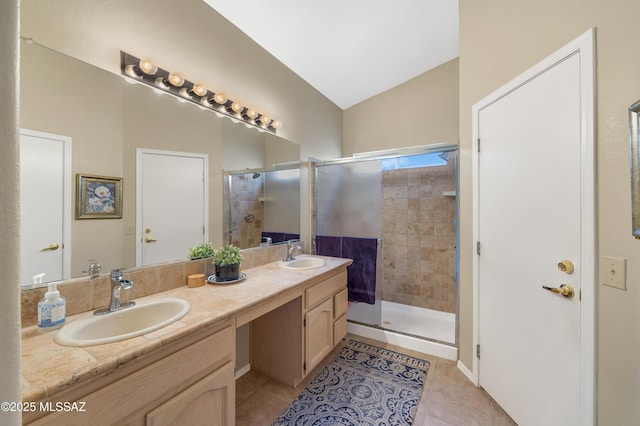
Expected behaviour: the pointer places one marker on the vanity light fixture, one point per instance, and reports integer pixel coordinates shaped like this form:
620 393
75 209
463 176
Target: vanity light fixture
146 72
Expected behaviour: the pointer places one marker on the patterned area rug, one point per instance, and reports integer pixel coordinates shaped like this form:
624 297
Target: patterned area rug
363 386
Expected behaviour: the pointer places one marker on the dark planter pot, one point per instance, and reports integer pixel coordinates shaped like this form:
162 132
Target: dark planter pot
228 272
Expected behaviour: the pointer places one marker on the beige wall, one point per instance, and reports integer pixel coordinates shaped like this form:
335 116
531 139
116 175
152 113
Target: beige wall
500 39
421 111
105 137
197 41
96 134
9 226
194 39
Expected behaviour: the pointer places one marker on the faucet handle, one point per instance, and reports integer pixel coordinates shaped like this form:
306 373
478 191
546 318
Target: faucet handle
117 273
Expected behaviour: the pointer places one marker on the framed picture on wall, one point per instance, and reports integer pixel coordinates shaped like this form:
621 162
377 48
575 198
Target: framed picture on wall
98 197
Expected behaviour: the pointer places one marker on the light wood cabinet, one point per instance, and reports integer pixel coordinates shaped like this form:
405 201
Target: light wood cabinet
207 402
318 333
326 323
289 341
192 377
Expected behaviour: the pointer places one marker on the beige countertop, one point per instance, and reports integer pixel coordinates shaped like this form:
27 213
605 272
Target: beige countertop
49 368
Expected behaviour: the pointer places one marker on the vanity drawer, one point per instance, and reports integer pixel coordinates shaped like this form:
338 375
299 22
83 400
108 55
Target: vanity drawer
321 291
340 304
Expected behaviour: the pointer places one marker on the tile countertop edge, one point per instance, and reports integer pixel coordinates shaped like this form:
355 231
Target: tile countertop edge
210 305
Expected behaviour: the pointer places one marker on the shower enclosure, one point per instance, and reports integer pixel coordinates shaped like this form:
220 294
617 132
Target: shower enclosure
261 206
406 200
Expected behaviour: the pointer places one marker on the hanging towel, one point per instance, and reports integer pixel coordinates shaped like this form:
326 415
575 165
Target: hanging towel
288 237
361 280
329 246
276 237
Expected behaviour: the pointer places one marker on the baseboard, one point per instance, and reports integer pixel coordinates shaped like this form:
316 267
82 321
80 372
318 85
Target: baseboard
408 342
244 370
467 372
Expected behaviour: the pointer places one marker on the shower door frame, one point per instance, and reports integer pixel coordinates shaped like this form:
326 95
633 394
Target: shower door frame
388 154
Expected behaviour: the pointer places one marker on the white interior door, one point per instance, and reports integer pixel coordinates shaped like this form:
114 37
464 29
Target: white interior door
172 204
45 205
534 210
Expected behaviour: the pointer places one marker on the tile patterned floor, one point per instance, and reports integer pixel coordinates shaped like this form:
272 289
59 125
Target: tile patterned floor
449 398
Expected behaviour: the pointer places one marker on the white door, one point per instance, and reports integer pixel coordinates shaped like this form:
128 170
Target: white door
534 210
172 204
45 205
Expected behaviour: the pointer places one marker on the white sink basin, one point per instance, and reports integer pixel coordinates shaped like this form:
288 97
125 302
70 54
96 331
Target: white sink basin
307 262
146 316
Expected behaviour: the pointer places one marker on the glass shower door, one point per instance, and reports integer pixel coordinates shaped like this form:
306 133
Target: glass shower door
349 204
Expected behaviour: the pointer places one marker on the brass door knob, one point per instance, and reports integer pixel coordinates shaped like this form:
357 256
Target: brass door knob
566 266
565 290
51 247
149 240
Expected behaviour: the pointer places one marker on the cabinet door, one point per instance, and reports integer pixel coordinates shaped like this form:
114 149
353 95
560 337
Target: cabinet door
210 401
319 333
339 329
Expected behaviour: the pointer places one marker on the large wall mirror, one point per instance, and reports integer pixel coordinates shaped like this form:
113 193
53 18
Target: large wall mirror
634 138
107 120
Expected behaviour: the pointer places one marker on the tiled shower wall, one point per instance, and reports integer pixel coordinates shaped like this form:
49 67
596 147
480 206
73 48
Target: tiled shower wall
419 236
247 196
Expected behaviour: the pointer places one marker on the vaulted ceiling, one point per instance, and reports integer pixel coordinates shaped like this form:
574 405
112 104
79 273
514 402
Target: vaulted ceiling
350 50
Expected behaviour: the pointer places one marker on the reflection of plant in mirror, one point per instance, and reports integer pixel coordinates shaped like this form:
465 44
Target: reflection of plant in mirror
227 255
201 251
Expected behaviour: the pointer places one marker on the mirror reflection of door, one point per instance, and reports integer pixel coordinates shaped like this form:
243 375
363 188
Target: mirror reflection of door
45 206
171 206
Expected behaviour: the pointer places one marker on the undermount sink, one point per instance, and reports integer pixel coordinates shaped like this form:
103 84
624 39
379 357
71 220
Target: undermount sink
307 262
146 316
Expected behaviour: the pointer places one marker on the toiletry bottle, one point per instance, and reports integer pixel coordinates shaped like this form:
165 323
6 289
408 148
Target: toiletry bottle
51 309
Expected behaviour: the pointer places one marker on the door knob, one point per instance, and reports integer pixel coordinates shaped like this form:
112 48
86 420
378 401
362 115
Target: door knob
51 247
565 290
149 240
566 266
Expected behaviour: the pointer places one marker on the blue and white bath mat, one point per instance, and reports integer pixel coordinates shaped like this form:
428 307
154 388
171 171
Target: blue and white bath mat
363 386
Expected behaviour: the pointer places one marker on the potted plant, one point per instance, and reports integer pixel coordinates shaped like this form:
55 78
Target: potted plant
201 251
227 262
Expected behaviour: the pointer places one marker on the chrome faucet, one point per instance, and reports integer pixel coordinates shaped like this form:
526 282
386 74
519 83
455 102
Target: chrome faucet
94 269
118 282
292 245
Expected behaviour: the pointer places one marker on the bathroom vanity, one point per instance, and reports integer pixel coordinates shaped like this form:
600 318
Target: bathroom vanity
186 370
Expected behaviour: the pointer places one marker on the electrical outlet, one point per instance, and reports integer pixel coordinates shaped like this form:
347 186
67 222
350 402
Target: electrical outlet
613 272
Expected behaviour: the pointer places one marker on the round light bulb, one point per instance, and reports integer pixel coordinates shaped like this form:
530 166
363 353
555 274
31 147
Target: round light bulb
251 114
220 98
176 79
265 120
130 70
199 89
276 124
236 107
160 82
147 67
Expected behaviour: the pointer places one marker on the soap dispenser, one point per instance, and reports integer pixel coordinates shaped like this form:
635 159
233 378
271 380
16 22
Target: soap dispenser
51 309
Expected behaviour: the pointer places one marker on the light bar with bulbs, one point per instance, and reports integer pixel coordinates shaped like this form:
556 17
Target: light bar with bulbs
146 72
